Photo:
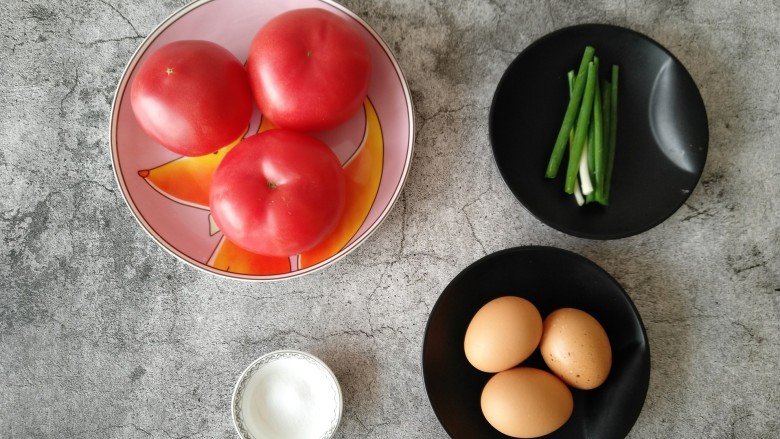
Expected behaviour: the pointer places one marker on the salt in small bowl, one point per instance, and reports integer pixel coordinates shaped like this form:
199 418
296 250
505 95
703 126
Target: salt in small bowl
287 394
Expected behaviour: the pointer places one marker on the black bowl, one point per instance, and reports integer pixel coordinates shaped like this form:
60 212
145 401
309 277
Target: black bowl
550 278
662 131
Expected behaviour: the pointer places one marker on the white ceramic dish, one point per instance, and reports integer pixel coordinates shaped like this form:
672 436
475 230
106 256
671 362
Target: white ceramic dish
287 394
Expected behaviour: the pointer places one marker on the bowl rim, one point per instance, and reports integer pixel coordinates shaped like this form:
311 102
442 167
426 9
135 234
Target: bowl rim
234 405
351 246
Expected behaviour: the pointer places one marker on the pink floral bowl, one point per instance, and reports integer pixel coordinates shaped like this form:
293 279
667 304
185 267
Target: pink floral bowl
168 194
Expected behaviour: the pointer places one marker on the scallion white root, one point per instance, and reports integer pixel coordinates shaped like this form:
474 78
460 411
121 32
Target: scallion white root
584 174
578 194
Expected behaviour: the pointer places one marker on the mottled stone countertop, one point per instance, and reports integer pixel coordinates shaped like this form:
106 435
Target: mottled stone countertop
103 333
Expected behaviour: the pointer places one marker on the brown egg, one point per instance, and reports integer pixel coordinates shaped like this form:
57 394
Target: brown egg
525 402
503 333
576 348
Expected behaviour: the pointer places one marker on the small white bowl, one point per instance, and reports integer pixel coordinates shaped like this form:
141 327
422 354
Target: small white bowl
287 394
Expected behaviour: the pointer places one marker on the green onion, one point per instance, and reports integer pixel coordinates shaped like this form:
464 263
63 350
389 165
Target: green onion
571 114
598 143
606 101
581 128
570 78
591 151
585 181
590 130
589 197
578 194
612 134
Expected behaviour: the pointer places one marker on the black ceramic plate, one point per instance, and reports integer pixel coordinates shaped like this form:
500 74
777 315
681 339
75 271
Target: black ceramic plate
550 278
662 131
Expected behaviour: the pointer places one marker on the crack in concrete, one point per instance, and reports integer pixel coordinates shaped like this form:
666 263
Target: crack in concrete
71 90
737 420
468 219
748 331
697 213
110 40
137 34
39 13
404 219
685 319
750 267
448 111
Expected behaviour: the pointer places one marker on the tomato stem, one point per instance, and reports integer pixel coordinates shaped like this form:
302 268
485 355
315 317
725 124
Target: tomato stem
308 54
271 185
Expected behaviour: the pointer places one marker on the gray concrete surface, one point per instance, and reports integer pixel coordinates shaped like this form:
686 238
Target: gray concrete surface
105 334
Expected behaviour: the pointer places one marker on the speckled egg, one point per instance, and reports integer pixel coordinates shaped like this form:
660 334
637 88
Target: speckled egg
576 348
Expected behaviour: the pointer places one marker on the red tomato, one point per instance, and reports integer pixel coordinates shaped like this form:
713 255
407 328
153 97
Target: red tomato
192 97
278 193
309 70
